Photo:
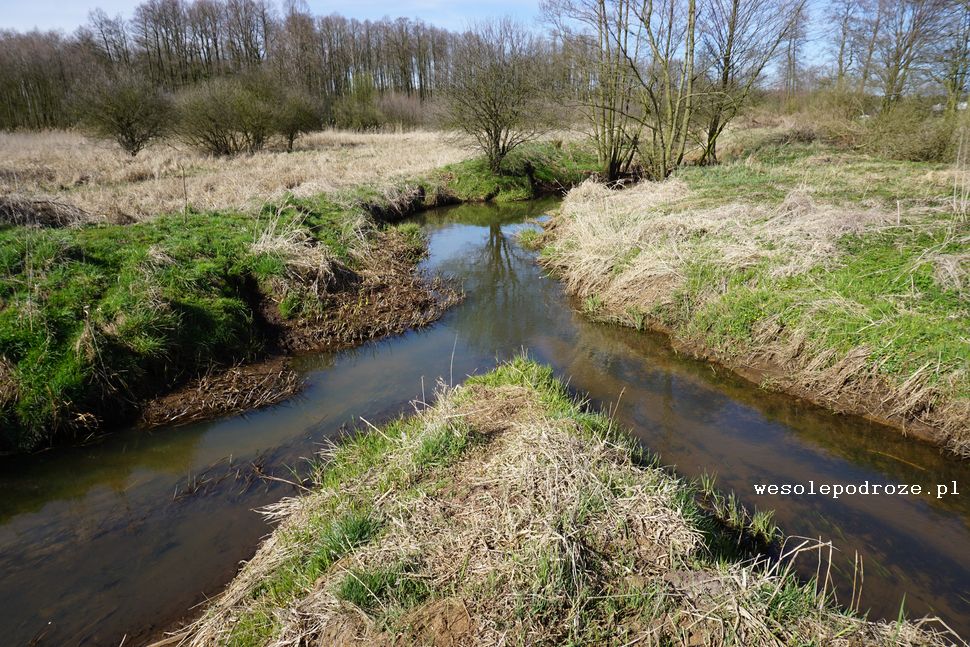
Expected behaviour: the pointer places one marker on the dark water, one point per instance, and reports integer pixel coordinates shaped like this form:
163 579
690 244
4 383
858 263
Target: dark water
101 542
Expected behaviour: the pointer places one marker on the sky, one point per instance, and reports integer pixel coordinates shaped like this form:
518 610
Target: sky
24 15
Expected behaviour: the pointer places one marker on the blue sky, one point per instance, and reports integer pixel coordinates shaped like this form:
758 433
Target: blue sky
24 15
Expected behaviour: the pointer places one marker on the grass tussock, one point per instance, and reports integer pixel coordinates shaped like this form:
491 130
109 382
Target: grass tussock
510 514
26 212
843 299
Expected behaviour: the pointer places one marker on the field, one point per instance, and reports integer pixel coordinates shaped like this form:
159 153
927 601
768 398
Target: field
109 185
831 274
509 513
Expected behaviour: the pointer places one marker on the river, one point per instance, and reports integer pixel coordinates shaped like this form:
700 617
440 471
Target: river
121 538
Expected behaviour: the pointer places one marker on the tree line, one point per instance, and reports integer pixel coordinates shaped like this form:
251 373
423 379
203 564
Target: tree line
177 44
652 79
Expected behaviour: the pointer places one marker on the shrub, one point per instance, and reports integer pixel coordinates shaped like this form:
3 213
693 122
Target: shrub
357 110
296 113
406 111
128 111
911 132
227 116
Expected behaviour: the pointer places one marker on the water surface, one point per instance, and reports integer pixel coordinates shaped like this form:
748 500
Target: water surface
123 537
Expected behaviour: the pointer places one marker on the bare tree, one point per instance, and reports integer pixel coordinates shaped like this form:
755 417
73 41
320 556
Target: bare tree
843 14
910 25
664 42
866 38
740 38
496 90
795 39
596 38
949 58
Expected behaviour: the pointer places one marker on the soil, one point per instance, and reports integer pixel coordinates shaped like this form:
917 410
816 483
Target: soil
386 296
240 388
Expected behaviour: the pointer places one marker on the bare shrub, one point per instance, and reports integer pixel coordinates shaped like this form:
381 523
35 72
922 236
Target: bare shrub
406 111
357 110
910 132
127 110
496 90
226 116
296 113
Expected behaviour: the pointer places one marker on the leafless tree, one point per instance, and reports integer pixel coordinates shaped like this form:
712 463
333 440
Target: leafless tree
843 15
496 91
795 39
596 39
949 56
740 38
907 28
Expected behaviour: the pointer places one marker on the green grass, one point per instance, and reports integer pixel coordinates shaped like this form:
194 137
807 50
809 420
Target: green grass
94 319
97 319
767 173
526 172
323 540
443 447
384 591
882 295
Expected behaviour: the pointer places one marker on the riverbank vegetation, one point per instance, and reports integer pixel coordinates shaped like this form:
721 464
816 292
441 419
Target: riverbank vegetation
510 512
829 273
99 318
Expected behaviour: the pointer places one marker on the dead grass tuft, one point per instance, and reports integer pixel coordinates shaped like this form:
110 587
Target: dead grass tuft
223 392
38 212
539 531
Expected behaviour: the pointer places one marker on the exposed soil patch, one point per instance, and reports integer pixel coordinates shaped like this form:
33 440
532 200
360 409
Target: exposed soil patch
240 388
385 297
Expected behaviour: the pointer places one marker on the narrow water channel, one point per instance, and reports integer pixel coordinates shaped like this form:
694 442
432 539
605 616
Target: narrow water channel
120 539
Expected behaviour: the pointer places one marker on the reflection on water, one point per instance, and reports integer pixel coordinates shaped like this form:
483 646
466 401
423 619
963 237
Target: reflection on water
102 541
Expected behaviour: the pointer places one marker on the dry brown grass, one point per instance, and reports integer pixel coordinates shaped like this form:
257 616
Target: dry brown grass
635 256
634 250
106 183
542 533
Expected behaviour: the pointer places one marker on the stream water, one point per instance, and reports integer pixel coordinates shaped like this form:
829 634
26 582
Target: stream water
119 539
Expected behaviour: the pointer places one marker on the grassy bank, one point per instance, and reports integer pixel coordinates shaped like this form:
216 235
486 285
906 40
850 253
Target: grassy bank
97 319
509 514
835 276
